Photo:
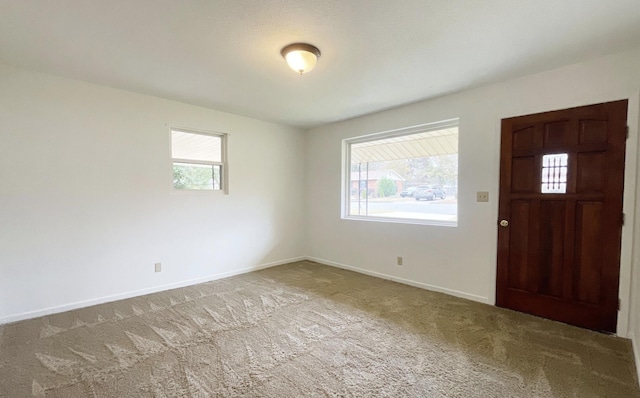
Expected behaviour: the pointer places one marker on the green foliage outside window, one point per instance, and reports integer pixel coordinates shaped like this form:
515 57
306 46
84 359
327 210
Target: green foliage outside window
192 176
386 187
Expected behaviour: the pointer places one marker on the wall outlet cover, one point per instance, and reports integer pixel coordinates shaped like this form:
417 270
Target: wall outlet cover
482 196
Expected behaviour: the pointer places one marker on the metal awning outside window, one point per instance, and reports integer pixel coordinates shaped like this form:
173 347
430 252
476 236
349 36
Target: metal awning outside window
421 144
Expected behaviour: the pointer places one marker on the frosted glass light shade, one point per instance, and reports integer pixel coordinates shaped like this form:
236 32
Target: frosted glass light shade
301 57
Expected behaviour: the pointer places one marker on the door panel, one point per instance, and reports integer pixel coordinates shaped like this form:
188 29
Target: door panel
593 131
558 134
519 253
523 172
523 139
551 228
561 185
588 254
590 172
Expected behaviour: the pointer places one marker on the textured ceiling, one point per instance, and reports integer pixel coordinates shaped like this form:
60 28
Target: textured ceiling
376 54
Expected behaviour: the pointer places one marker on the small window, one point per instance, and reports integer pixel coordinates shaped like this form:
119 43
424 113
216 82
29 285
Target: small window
198 160
554 173
408 175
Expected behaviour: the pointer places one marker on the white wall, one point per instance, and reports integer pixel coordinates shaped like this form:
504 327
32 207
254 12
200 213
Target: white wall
87 207
462 260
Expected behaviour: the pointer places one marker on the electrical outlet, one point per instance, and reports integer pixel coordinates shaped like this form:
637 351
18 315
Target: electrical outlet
158 267
482 196
399 260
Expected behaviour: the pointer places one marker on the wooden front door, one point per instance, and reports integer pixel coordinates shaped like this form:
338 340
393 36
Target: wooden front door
560 214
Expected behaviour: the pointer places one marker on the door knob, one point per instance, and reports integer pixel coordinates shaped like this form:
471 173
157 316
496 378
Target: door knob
504 223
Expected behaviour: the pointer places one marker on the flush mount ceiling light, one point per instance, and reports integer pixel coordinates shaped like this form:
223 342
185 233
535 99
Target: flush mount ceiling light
301 57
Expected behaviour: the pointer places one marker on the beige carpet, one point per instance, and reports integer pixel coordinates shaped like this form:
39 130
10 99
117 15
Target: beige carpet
308 330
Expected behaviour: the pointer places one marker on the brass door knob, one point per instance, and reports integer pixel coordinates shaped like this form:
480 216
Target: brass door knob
504 223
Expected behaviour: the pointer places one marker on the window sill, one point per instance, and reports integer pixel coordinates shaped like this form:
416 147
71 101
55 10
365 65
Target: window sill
394 220
197 192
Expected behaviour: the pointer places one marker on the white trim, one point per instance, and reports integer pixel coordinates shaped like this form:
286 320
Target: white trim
141 292
421 285
224 163
636 353
628 267
225 167
345 177
345 194
418 221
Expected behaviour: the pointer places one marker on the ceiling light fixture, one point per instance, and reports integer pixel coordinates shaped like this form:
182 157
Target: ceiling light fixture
301 57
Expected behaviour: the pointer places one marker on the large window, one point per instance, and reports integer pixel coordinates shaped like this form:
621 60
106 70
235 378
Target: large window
199 160
408 175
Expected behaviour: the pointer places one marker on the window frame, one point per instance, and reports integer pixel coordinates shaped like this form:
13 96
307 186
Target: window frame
224 168
346 172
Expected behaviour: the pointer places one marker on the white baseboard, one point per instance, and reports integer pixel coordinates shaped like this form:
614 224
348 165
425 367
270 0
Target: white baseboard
141 292
409 282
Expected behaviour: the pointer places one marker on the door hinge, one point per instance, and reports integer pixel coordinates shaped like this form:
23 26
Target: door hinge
627 131
619 304
623 217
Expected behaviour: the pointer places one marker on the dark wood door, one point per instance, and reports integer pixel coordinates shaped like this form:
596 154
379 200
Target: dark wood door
561 182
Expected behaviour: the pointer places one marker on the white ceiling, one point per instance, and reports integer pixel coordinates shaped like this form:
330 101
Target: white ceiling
376 54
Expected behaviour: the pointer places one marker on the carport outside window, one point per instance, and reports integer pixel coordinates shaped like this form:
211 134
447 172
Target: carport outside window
408 175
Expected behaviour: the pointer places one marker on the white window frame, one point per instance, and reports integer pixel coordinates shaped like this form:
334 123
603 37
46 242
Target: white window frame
346 171
224 168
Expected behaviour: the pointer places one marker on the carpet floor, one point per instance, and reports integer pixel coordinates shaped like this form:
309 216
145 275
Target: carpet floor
308 330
